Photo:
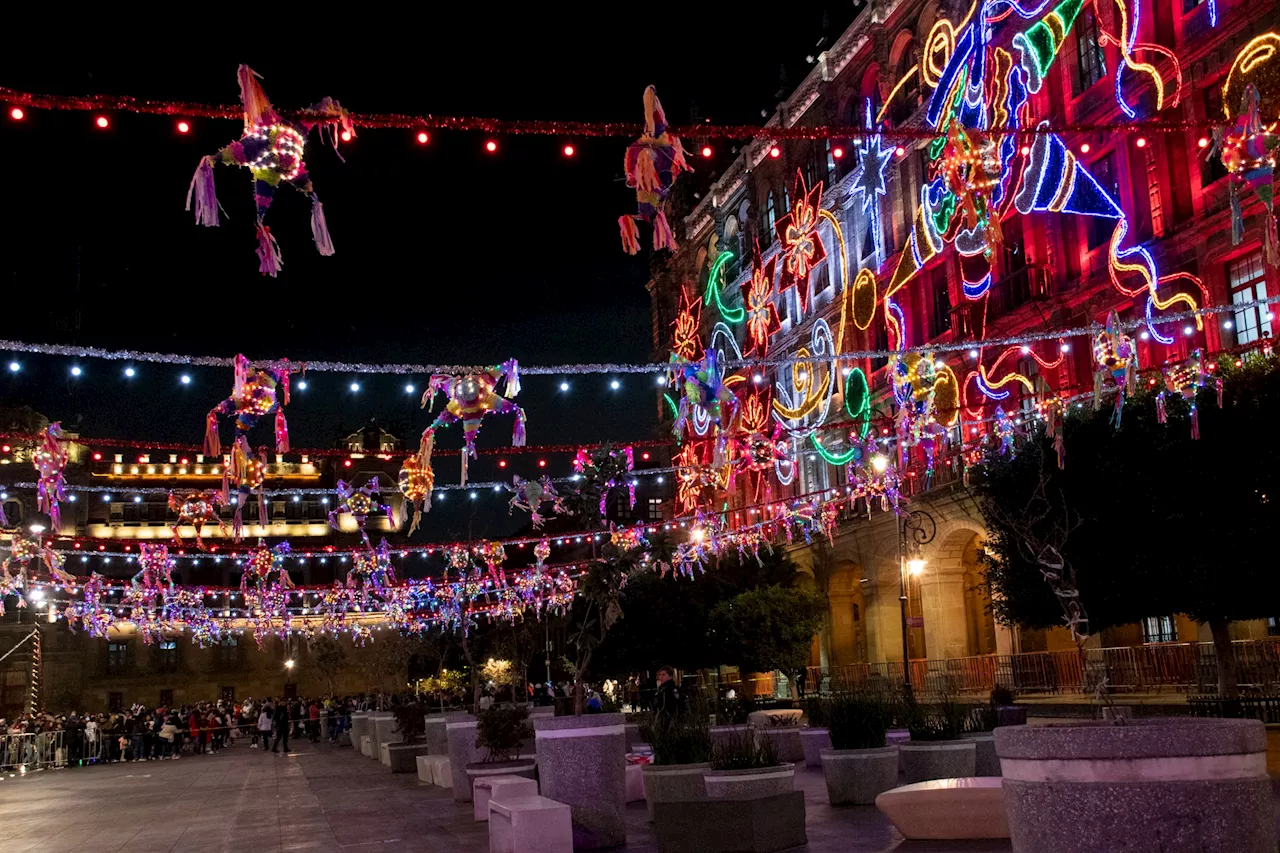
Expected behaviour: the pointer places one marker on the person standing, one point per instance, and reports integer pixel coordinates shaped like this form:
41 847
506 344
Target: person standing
667 702
313 721
283 724
265 722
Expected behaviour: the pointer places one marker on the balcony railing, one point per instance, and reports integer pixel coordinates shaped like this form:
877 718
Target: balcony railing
1166 667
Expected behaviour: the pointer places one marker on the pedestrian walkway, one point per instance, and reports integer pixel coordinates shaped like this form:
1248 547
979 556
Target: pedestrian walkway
321 799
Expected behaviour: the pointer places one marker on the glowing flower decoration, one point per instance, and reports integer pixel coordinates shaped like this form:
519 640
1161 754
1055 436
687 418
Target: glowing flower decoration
686 340
757 298
802 246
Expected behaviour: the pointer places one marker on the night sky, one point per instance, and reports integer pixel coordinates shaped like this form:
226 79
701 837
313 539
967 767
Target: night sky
445 254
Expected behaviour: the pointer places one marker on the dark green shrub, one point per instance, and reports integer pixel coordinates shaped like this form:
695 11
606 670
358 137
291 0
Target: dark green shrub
858 720
500 730
682 739
410 722
742 750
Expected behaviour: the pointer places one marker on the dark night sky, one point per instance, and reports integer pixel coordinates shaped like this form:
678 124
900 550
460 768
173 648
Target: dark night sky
445 254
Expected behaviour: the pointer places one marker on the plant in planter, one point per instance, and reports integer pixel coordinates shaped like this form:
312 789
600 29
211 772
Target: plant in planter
744 766
815 738
936 750
858 766
681 753
411 722
500 730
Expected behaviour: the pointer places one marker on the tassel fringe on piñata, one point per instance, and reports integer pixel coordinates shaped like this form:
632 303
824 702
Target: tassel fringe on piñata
269 262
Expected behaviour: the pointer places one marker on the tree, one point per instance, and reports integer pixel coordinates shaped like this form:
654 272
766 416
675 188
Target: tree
329 657
768 628
1159 523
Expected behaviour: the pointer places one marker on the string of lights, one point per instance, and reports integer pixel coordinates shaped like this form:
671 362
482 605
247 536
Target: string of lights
660 367
20 102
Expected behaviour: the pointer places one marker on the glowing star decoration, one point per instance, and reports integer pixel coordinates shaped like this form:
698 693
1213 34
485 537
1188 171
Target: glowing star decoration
802 246
358 503
964 174
531 494
256 394
471 397
757 298
417 479
705 398
1249 151
653 162
271 149
50 461
1114 355
873 162
265 567
196 508
1186 379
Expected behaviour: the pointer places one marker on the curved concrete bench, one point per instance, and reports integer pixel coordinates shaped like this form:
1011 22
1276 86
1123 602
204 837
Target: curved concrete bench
950 809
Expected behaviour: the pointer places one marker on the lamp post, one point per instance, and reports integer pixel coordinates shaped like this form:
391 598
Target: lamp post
915 529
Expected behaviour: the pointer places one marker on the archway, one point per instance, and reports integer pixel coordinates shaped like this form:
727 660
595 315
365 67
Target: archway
955 622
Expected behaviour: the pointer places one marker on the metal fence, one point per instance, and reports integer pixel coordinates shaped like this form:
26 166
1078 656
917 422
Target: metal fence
1165 667
23 753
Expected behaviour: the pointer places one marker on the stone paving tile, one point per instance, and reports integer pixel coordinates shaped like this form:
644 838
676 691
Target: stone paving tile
322 800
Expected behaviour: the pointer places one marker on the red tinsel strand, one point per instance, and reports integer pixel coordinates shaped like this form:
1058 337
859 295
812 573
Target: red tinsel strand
552 127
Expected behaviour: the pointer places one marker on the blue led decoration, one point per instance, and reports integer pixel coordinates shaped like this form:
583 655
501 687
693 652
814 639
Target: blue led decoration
1055 181
976 289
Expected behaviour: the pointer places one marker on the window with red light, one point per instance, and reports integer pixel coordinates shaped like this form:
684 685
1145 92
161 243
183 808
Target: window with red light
1247 279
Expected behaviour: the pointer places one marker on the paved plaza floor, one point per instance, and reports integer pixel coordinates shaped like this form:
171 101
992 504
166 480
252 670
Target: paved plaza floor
322 799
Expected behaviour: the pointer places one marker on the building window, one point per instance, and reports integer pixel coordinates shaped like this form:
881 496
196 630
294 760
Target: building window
166 698
770 216
229 694
117 658
1104 172
229 651
1213 169
940 317
1247 279
167 656
1273 626
1159 629
831 164
1091 62
655 509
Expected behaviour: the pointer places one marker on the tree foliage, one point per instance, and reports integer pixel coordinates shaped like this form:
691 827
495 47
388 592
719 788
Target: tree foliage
768 628
1160 523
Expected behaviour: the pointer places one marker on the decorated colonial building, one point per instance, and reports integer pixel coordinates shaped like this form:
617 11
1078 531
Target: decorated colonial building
983 210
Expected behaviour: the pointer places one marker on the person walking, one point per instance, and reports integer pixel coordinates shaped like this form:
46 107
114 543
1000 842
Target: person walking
265 722
667 702
283 724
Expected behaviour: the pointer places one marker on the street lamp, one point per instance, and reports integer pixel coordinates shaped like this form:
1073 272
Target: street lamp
288 664
915 529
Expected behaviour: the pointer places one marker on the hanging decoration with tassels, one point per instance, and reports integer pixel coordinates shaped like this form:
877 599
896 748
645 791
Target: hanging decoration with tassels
1249 150
1186 378
653 162
248 470
50 461
471 397
358 503
1114 354
255 395
196 508
271 149
531 494
416 480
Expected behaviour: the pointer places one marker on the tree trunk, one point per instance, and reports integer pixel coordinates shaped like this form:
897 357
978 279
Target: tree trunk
579 691
1224 653
475 676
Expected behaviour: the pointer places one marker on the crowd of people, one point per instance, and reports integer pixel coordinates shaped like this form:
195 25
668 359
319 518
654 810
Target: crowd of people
142 733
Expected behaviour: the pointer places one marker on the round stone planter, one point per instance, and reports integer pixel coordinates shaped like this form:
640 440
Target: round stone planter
1179 784
582 762
939 759
525 767
985 762
858 776
812 743
749 784
461 735
673 783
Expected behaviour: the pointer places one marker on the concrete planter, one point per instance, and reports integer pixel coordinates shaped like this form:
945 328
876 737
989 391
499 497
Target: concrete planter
403 757
632 731
435 735
360 726
723 735
384 731
749 783
664 783
1011 715
758 825
812 743
858 776
985 762
1181 784
786 740
582 762
462 751
526 768
939 759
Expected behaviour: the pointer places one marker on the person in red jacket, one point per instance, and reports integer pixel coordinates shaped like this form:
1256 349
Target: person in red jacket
313 721
193 722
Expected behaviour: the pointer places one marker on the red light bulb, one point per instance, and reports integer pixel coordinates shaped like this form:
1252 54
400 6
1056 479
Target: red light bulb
491 146
837 152
1142 142
568 151
706 151
183 127
502 463
101 121
899 151
17 114
346 135
346 463
1084 148
775 152
423 138
97 457
542 463
1202 142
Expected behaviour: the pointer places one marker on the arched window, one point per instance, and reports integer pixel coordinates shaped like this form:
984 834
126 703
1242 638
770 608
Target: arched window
908 97
770 215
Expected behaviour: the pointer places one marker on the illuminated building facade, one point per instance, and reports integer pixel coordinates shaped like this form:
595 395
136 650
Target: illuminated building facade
940 236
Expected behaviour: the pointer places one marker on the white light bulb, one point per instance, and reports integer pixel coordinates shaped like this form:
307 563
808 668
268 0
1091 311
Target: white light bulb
1226 324
355 386
186 380
14 366
75 371
474 496
129 371
615 385
302 384
1188 330
408 389
564 386
757 378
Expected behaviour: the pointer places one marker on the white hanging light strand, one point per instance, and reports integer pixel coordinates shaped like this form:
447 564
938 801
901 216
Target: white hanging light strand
606 367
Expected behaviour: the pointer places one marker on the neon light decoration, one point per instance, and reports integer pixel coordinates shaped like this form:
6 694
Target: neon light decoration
757 298
686 342
869 182
1055 181
715 287
802 246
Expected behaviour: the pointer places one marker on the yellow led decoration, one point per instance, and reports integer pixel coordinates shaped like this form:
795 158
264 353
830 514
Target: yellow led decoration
803 385
912 71
863 298
946 395
1146 269
1261 50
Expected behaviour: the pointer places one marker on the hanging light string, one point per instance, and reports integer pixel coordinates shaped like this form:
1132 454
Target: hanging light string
557 127
660 367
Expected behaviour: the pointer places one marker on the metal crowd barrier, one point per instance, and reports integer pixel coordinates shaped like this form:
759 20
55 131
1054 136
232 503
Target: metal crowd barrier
25 753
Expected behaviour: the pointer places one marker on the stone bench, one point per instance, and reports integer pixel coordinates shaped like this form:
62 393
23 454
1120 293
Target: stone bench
530 825
366 745
948 809
434 770
499 787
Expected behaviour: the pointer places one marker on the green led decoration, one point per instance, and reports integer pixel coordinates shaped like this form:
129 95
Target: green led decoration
729 315
857 400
